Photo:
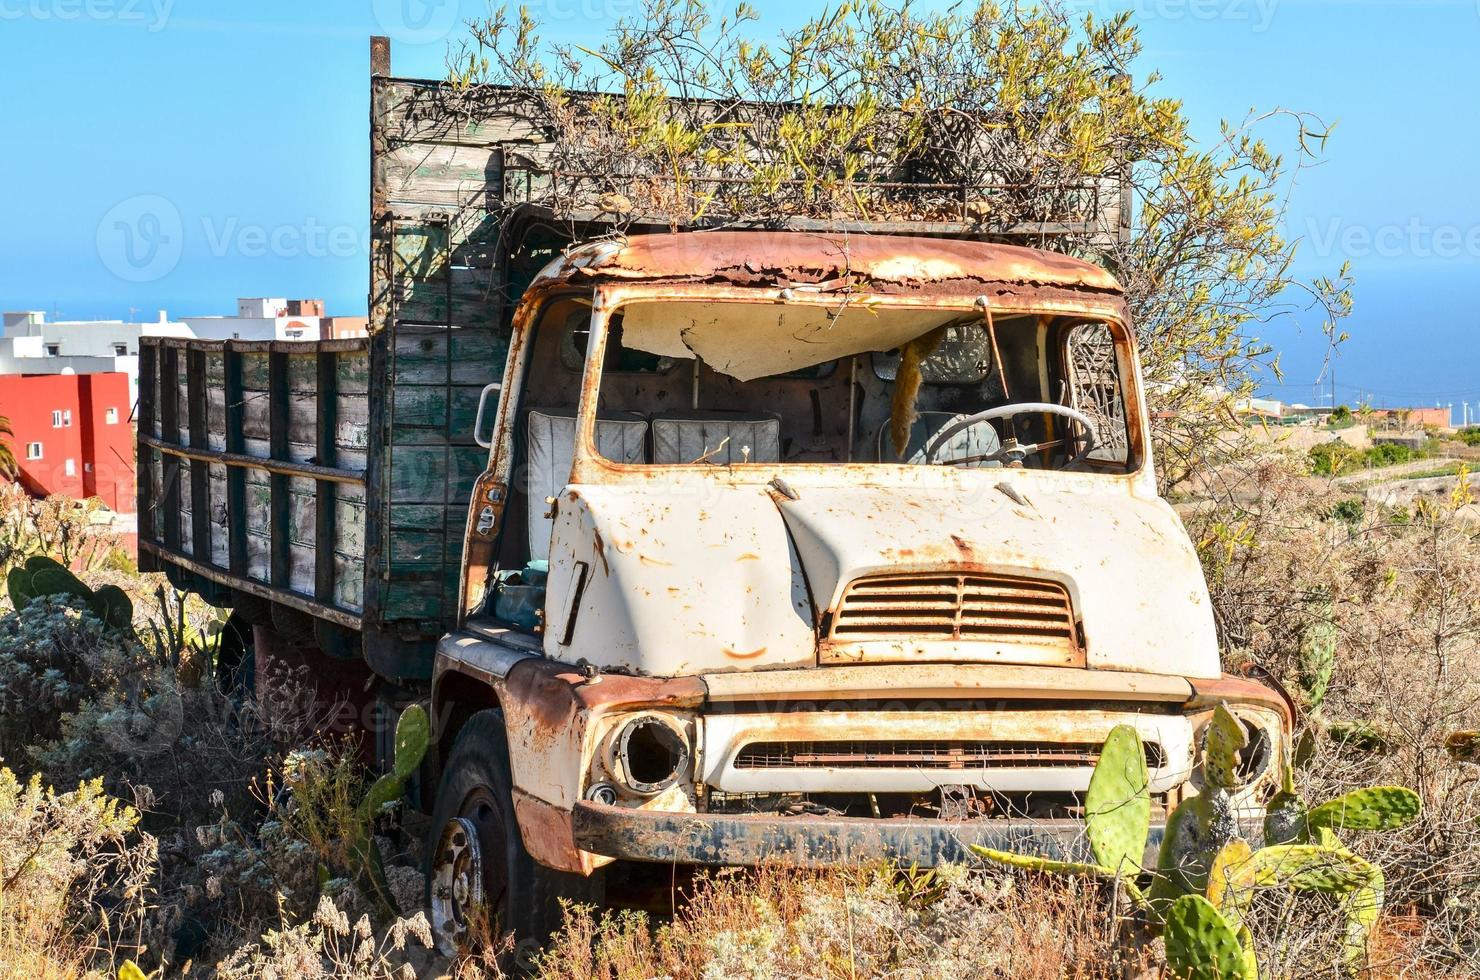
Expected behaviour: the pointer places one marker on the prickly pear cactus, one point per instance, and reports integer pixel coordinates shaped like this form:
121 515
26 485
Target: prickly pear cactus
112 606
1305 867
1224 740
1363 907
1372 808
42 576
1225 880
412 732
1201 944
1318 654
1197 830
1118 804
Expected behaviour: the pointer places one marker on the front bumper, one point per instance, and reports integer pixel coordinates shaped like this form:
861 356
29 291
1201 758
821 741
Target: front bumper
811 841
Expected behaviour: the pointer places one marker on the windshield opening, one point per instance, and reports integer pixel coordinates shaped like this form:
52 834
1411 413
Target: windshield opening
730 383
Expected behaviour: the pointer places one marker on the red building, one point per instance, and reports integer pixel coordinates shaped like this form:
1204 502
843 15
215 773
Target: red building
72 435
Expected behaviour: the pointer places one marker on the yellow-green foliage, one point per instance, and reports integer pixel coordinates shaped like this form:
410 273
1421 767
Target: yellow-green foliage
47 839
1002 115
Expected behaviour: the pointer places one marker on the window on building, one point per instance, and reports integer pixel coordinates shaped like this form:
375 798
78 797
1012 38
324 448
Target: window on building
53 350
33 450
120 350
110 416
61 418
69 467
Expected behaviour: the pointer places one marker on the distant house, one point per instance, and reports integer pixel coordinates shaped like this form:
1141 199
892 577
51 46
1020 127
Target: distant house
1414 418
263 318
72 434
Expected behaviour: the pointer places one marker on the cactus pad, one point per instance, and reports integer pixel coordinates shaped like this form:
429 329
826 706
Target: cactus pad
1224 878
18 583
1306 867
412 732
113 607
1224 740
1118 804
1318 654
1373 808
1200 943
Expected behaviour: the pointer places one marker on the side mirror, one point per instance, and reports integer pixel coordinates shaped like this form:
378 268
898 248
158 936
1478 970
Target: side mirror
478 419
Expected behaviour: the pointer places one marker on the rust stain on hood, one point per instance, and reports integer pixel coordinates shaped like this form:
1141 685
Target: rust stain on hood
821 260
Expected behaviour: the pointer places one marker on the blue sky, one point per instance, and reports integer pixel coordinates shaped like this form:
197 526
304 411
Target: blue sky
249 120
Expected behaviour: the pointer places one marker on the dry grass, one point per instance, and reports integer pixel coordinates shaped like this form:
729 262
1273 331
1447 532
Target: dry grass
852 925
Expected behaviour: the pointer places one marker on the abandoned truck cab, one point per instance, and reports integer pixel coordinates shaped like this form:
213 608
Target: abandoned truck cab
811 549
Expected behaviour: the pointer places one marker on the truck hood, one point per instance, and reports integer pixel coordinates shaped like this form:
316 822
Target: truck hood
741 577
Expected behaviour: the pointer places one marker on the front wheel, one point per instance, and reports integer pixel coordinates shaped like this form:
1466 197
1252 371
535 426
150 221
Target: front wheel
481 882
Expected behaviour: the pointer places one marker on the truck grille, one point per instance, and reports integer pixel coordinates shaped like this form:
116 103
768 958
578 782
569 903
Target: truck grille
928 755
956 607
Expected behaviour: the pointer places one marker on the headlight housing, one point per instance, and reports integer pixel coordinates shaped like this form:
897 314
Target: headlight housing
1257 774
649 753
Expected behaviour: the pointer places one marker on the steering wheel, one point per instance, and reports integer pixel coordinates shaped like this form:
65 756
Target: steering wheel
1011 451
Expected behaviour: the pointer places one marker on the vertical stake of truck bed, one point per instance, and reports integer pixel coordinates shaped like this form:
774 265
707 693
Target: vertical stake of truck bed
324 490
236 476
169 420
200 477
279 516
148 457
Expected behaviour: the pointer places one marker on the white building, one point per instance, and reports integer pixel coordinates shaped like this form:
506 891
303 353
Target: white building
32 345
268 318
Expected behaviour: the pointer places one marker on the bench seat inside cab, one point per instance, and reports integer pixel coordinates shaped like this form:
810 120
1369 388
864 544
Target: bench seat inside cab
676 437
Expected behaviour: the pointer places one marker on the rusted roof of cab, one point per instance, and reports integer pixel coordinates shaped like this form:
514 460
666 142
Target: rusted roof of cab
782 258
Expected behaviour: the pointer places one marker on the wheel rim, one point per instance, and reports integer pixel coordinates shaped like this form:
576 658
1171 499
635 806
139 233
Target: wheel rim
469 876
457 883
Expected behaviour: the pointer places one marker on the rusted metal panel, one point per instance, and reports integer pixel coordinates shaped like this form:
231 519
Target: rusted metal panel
838 261
819 842
946 681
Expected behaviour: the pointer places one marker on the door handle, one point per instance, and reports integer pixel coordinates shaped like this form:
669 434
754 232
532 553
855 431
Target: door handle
478 419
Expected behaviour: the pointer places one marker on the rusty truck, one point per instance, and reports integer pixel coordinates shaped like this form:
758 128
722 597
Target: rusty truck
793 544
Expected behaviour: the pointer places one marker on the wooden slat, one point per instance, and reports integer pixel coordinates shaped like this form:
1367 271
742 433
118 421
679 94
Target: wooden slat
200 482
307 471
285 596
148 361
324 490
236 477
277 421
169 418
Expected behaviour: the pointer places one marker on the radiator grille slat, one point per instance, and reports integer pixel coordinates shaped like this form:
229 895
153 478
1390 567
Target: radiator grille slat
957 607
856 754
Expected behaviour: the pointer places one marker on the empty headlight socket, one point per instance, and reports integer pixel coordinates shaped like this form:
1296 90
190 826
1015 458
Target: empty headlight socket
648 754
1256 758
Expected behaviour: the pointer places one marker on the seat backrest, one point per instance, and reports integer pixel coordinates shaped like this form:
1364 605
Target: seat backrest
974 440
551 449
716 437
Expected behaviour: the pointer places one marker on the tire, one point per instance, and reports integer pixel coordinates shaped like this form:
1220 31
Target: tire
519 895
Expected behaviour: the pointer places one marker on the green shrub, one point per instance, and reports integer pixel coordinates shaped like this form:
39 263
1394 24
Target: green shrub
54 659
